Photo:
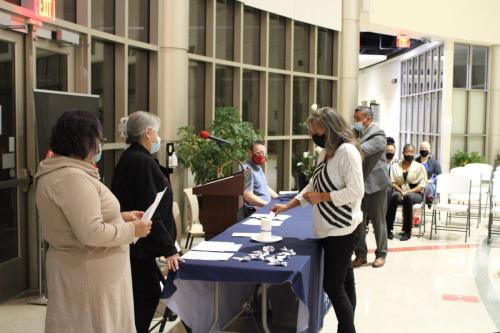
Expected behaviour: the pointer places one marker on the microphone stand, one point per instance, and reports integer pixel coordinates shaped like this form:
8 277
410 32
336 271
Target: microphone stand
221 147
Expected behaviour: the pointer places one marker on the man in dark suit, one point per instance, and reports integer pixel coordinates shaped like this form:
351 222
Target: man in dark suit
372 145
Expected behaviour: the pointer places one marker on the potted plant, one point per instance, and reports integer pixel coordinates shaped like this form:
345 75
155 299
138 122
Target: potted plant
304 168
461 158
205 158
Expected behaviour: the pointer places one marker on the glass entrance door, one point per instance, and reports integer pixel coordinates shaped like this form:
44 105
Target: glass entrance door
13 177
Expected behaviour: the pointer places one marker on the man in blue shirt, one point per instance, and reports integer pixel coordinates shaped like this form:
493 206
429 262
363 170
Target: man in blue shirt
257 193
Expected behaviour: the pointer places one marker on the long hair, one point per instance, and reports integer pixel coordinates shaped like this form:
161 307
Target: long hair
337 131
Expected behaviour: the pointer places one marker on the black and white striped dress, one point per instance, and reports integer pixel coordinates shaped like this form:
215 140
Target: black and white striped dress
340 217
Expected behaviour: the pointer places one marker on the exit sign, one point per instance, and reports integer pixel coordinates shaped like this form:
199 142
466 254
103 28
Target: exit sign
46 8
403 41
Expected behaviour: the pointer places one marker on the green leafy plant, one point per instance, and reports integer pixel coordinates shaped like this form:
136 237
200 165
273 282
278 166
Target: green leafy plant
461 158
306 164
205 158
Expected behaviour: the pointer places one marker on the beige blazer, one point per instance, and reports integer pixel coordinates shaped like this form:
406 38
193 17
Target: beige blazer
88 267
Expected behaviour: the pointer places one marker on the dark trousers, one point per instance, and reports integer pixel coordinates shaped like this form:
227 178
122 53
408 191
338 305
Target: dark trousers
338 279
408 201
146 287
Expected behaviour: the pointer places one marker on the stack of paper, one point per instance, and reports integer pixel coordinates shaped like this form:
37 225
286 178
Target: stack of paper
212 250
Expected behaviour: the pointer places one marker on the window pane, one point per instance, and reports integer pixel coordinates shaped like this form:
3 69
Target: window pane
301 47
402 118
460 60
197 26
277 41
275 164
415 75
477 112
103 15
138 80
428 113
276 108
103 84
299 147
441 66
251 36
435 68
479 62
414 115
324 97
421 77
325 51
300 104
475 143
51 70
8 127
421 113
459 112
9 231
457 143
404 79
223 86
409 68
428 70
66 10
106 166
138 20
196 112
224 33
251 97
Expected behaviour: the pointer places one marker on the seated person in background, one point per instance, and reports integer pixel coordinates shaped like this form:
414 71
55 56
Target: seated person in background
390 151
257 193
433 169
409 179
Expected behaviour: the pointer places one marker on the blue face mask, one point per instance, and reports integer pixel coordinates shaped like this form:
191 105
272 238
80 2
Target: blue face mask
156 146
97 157
358 126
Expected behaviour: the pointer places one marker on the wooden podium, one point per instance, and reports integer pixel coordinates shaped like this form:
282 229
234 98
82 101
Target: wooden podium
220 202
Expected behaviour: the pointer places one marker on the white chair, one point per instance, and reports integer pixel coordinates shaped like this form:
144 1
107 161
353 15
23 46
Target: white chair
449 185
484 172
194 227
494 206
476 194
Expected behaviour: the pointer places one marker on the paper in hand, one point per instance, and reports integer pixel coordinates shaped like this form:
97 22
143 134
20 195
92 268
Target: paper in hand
148 214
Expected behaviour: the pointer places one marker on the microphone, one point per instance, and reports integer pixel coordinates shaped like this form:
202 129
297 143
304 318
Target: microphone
220 142
205 135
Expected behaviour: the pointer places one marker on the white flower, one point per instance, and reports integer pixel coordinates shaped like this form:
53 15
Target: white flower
299 163
305 154
314 107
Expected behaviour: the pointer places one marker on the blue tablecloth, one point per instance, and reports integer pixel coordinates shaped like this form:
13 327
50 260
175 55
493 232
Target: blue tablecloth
303 272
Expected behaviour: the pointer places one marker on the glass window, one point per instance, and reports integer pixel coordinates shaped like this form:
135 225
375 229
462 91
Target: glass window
138 20
402 119
51 70
457 143
325 51
324 90
103 15
275 164
428 111
299 147
460 61
301 47
106 166
223 86
103 84
66 10
277 41
459 112
224 32
197 26
7 113
251 36
300 104
475 143
276 107
441 66
251 97
422 73
428 70
196 113
404 78
479 67
9 231
477 112
138 80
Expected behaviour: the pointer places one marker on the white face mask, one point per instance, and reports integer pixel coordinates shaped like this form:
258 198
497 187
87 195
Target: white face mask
155 147
97 157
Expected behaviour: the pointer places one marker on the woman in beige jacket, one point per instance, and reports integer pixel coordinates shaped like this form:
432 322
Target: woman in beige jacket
88 266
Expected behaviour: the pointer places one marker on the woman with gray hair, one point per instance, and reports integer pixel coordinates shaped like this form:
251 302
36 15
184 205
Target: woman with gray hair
137 179
336 190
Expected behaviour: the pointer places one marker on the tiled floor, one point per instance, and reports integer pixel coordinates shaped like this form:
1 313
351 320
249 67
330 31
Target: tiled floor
440 285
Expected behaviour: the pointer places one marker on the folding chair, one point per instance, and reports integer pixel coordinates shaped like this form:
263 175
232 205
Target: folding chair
194 227
449 185
494 205
476 193
484 171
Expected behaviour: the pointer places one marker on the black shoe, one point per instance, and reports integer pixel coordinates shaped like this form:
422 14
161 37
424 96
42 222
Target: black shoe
405 237
390 235
170 315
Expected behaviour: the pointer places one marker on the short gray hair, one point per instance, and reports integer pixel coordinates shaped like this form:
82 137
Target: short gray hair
133 127
367 111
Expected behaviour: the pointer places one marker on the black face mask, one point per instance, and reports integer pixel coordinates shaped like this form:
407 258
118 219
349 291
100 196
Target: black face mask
389 156
408 158
319 140
424 153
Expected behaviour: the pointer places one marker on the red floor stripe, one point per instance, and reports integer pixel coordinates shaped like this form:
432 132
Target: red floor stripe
461 298
430 247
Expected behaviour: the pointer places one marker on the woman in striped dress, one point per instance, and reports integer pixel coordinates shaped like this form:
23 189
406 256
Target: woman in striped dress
336 190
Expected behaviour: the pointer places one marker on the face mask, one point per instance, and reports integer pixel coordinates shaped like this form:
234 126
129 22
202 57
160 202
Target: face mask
358 126
408 158
97 157
156 146
424 153
389 156
258 159
319 140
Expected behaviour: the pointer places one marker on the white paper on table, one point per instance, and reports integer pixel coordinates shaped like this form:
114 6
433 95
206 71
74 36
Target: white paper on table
281 217
217 246
148 214
257 222
245 234
205 255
